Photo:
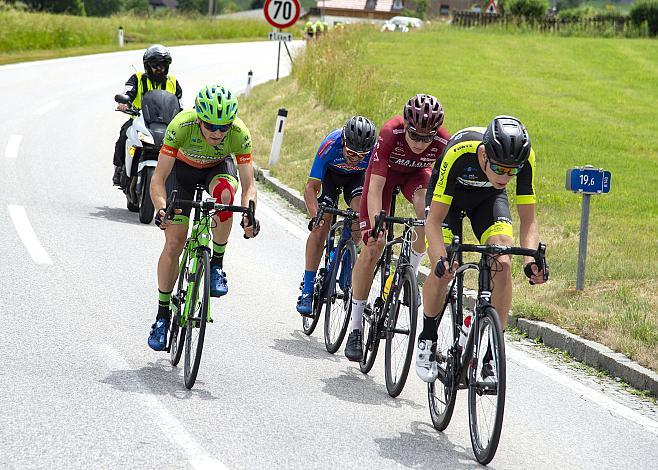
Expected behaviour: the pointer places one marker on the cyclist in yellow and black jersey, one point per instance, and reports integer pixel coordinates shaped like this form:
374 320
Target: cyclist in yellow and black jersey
471 177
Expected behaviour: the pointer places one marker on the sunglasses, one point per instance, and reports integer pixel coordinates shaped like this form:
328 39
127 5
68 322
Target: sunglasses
416 137
504 170
354 154
216 127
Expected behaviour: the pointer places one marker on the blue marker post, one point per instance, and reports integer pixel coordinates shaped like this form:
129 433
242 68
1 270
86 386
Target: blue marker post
586 180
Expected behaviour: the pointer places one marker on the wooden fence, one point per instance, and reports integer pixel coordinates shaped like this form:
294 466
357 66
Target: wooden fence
601 24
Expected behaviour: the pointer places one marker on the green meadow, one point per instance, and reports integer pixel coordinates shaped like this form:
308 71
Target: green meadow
584 101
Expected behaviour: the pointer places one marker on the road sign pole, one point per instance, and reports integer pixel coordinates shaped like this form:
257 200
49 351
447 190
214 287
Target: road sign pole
582 246
278 61
288 51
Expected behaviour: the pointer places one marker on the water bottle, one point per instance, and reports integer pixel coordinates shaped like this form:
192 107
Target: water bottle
464 330
389 281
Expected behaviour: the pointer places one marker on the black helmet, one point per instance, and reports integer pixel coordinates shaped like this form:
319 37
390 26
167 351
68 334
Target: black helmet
157 54
359 134
506 141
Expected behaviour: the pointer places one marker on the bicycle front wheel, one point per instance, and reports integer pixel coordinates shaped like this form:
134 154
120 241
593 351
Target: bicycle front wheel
195 329
370 328
486 390
338 306
309 323
177 334
401 331
442 393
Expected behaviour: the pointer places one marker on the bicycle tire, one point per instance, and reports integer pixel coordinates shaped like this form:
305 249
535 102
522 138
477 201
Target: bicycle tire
336 320
407 288
309 323
370 340
199 299
442 393
485 453
177 334
146 209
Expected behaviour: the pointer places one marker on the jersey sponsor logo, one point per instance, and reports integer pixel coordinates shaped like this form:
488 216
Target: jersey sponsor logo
171 134
188 123
246 142
474 182
244 158
409 163
442 173
324 150
399 150
345 166
398 131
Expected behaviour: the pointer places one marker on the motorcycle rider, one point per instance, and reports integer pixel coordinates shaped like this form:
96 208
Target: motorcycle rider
157 60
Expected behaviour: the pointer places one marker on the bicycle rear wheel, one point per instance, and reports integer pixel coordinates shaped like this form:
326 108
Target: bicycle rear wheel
177 334
338 307
486 395
370 337
442 393
195 330
401 331
309 323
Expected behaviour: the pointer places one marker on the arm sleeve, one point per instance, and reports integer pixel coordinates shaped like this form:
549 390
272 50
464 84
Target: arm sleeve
131 87
444 189
322 159
525 183
380 154
172 138
244 150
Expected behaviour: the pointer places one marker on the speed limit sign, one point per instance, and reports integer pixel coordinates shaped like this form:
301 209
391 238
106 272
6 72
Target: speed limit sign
281 13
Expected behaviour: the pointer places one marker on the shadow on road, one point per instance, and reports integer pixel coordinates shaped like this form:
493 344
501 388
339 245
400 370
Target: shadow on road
116 214
425 447
306 347
355 387
158 378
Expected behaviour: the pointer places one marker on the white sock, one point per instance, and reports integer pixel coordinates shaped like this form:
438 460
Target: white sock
357 314
416 258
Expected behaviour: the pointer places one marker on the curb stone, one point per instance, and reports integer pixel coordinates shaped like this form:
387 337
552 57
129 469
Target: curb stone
589 352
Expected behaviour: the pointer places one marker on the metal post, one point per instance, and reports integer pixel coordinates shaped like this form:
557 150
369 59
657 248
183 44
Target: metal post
277 140
120 36
247 91
278 61
211 7
582 247
288 51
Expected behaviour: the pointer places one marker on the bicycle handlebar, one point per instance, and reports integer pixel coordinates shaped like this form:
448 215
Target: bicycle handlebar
207 206
322 209
382 218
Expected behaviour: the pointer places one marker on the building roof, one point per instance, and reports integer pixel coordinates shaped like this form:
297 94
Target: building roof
376 5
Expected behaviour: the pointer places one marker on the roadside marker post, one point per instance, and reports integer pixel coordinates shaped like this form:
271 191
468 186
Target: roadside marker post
586 180
247 91
277 139
281 14
120 32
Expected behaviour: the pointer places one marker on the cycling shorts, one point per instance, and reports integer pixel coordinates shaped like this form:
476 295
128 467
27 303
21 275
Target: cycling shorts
184 178
488 212
333 183
408 182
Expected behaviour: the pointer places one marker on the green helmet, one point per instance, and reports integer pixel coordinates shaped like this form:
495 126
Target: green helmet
216 105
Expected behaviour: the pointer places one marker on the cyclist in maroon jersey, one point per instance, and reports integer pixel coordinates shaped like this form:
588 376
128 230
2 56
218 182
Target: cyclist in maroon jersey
406 150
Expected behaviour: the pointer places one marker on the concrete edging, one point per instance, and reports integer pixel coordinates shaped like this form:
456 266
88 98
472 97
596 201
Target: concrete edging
589 352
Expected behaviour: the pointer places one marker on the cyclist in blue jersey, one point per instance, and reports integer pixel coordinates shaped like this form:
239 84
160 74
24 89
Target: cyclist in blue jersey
340 165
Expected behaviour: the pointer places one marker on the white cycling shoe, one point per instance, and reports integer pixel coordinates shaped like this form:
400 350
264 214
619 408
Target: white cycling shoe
426 366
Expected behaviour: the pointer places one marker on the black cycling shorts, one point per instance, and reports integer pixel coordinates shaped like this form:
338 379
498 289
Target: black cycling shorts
351 185
185 178
487 209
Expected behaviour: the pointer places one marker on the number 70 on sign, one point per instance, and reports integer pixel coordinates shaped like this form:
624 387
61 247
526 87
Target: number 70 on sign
281 13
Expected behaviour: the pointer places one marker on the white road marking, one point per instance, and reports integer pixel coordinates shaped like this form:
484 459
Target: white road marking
27 235
524 360
170 426
11 151
46 107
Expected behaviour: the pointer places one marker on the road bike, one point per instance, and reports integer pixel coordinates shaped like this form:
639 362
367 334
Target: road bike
477 361
391 312
333 284
190 299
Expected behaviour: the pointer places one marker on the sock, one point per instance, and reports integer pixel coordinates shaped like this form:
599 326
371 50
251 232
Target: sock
357 314
218 254
416 258
309 280
163 304
430 328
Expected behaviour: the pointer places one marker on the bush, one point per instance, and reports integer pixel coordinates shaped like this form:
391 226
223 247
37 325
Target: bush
530 9
646 11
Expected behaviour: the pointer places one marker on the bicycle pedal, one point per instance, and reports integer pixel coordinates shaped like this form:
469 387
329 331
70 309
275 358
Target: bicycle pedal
308 315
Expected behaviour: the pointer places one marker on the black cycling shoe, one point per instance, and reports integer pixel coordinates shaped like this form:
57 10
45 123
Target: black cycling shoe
353 348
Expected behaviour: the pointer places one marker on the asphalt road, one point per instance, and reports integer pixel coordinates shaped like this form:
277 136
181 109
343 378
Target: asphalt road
79 387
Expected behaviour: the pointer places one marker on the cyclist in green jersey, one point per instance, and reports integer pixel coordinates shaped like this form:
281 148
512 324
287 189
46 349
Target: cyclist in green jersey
201 146
471 177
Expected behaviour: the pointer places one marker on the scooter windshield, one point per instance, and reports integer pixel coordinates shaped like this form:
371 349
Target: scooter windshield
159 106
